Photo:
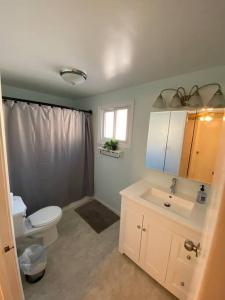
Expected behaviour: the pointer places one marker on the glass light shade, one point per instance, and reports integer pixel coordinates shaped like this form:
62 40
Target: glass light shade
159 102
195 100
73 76
217 100
176 101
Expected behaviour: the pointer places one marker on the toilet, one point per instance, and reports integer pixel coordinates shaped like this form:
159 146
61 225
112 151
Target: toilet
41 224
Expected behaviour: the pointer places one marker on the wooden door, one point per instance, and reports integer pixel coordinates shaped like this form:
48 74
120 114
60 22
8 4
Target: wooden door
131 230
155 248
10 282
208 281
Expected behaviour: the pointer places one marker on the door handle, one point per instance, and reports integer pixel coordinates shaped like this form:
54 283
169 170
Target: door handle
8 248
190 246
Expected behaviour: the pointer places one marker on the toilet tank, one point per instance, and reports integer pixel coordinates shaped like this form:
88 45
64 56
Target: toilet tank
19 215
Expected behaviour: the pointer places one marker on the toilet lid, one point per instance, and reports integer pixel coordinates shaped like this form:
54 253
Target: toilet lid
45 216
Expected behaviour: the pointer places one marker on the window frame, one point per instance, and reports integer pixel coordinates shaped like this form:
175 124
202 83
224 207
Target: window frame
114 108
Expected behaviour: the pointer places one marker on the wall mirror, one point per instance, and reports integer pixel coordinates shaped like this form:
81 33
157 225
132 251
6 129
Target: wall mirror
185 143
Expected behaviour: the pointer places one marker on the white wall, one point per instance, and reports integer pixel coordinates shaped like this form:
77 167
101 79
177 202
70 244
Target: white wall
15 92
112 175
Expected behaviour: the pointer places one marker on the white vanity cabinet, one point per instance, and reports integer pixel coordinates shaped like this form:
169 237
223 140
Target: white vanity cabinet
156 244
143 240
131 232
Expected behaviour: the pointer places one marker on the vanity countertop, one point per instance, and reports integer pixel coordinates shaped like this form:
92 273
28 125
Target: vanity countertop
194 222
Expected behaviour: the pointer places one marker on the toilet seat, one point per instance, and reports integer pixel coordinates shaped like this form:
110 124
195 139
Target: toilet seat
45 215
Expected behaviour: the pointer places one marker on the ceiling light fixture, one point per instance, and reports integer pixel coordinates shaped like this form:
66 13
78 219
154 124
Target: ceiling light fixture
192 99
73 76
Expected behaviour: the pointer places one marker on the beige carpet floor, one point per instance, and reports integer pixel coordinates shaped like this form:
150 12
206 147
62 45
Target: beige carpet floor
84 265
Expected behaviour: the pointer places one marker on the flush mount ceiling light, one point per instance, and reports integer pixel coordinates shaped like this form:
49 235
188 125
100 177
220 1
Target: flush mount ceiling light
192 99
73 76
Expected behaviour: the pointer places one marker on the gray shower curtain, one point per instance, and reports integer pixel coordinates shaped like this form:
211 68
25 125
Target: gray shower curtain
50 154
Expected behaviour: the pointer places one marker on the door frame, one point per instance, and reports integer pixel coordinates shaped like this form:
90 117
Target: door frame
10 280
208 280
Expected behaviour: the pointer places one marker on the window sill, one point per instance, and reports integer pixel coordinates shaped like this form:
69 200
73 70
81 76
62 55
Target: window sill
121 145
111 153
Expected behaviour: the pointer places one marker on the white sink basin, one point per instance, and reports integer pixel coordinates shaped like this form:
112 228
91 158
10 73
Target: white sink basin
169 202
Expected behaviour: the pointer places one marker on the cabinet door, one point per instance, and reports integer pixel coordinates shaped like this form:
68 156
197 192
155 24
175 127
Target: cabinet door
131 230
155 248
175 141
180 268
157 139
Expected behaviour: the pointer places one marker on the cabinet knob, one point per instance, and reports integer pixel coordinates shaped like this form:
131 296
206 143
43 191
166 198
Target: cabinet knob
138 227
182 283
144 229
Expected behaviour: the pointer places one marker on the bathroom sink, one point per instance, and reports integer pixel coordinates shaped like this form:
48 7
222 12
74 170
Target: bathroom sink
173 203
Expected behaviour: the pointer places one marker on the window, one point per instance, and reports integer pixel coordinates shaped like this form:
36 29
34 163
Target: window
108 124
115 123
121 124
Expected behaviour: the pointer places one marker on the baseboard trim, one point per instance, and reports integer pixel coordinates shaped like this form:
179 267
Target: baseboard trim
77 203
107 205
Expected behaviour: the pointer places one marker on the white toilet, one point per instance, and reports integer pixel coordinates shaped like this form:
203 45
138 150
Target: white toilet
41 224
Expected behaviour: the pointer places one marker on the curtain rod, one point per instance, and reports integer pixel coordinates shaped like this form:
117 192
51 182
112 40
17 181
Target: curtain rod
43 103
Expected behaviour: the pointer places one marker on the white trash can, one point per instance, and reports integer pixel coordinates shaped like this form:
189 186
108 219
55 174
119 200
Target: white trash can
33 263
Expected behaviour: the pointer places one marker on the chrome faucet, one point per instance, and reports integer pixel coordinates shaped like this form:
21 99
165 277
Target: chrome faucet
173 186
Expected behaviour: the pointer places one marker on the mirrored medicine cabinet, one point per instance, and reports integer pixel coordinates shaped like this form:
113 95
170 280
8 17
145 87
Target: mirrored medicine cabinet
185 143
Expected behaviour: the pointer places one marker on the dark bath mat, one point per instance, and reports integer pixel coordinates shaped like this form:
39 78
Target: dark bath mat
97 215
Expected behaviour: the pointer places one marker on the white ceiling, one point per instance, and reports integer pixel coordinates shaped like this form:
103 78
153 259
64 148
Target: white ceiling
118 43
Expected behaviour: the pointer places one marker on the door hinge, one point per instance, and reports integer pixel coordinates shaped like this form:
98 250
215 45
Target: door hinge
8 248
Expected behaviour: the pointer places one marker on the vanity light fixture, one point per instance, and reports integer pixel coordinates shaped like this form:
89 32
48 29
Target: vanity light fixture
192 99
217 100
73 76
160 102
206 118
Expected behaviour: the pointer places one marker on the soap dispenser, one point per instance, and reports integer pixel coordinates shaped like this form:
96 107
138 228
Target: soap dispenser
201 196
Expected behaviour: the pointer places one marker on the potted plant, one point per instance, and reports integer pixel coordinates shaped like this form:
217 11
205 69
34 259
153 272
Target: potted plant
111 145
